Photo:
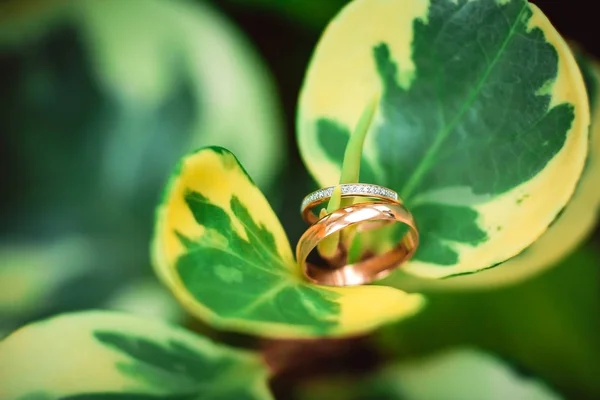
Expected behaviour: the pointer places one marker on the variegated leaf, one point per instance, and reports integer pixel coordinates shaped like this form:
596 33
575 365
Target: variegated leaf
110 356
482 126
574 223
222 251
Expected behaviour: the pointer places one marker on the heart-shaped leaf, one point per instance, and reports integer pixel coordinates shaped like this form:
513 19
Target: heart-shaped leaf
220 248
109 355
574 223
482 127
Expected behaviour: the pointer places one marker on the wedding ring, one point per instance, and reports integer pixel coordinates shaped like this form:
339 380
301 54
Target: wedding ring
366 190
373 267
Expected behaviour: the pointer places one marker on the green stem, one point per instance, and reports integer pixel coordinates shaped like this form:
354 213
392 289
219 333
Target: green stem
350 172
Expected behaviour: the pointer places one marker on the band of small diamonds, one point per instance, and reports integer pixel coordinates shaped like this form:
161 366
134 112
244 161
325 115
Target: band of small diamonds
350 189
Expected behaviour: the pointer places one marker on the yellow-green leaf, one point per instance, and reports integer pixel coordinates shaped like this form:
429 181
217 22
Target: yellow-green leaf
222 251
114 356
482 126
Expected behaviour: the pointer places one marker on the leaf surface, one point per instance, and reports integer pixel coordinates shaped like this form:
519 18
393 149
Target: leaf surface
482 126
110 356
223 253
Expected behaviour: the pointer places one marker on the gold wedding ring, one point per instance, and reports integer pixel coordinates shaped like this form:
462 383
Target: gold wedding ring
364 216
365 190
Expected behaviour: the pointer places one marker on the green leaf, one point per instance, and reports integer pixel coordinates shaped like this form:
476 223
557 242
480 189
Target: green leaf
460 373
222 251
102 99
109 355
482 125
573 225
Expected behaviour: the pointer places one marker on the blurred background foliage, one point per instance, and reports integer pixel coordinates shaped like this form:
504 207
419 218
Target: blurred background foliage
461 373
100 99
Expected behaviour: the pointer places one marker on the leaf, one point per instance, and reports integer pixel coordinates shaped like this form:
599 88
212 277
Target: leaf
459 373
534 323
67 273
574 223
99 100
146 297
102 99
23 288
482 127
466 373
222 251
40 278
119 356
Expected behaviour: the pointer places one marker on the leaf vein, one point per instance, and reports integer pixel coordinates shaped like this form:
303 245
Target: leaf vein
444 132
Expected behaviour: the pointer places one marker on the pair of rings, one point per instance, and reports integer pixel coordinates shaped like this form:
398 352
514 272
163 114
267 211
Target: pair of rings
382 207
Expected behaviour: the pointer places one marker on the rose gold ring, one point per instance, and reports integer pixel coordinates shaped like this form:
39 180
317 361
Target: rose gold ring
366 216
365 190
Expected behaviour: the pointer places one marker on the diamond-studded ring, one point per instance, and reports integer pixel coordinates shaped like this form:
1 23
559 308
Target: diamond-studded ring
366 190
